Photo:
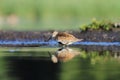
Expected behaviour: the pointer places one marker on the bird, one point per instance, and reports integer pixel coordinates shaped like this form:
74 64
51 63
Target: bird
64 38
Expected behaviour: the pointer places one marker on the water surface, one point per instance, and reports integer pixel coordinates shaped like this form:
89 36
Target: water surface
72 64
52 43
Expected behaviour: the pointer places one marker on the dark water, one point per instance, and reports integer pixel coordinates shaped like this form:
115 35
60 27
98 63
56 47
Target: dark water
58 64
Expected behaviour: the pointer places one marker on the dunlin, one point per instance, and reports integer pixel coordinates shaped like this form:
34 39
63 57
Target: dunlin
64 38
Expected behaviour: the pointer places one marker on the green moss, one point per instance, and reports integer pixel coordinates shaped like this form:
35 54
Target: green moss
84 27
96 25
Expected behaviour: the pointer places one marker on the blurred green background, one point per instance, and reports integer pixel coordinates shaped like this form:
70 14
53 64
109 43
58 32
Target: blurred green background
55 14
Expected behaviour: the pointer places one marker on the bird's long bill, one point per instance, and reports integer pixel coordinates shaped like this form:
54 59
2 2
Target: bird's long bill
49 54
80 39
49 38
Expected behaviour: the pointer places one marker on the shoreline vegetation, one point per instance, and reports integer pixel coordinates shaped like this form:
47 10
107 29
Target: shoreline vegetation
100 25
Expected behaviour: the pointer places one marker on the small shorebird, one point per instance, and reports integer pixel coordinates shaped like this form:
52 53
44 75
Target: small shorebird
64 38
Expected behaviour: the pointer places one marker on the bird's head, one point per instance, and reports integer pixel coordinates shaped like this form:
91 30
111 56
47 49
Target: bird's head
54 34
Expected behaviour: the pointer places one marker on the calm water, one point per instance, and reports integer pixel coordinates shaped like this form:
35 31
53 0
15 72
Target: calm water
58 64
53 43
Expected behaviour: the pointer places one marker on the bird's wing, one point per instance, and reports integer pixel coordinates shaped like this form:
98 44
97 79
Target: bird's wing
65 35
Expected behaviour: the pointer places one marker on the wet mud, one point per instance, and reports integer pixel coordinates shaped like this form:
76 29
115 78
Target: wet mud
96 35
99 35
39 38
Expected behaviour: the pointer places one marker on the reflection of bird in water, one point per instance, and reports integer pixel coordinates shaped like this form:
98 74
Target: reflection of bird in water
64 54
64 38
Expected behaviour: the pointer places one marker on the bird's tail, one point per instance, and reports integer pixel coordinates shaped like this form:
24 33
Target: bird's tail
79 39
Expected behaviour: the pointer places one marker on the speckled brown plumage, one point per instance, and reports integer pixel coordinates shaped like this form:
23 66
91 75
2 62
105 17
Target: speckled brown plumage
66 38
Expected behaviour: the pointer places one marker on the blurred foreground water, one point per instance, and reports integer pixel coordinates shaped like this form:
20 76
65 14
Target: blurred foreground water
46 63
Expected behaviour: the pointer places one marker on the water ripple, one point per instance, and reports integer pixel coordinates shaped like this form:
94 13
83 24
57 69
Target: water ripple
52 43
